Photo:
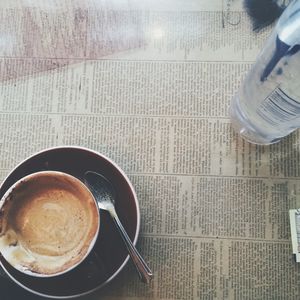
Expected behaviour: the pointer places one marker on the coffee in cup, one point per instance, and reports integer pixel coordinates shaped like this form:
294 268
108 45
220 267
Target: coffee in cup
49 222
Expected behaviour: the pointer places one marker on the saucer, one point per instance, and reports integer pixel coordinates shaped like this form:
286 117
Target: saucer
109 255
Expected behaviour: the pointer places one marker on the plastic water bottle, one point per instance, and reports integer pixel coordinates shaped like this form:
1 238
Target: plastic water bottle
267 106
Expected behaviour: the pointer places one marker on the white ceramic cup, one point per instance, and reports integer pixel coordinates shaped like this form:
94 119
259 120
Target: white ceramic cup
49 223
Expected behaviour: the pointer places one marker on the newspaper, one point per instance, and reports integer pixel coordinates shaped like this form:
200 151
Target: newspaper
148 84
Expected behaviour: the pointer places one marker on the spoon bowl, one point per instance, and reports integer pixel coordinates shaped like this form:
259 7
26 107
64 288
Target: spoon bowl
102 190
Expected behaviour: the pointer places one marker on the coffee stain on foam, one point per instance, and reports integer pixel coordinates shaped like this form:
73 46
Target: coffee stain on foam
10 238
12 249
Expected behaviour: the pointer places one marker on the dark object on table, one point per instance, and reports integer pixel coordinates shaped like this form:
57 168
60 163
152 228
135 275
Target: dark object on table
264 12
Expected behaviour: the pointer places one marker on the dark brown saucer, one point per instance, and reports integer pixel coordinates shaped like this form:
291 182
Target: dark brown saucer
109 255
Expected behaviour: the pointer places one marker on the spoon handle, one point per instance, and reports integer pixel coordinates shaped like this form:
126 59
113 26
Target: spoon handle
144 271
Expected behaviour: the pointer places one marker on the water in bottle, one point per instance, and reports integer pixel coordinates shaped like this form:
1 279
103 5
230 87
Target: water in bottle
267 106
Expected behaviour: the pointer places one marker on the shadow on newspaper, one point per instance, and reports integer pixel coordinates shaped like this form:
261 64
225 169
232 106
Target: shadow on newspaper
34 40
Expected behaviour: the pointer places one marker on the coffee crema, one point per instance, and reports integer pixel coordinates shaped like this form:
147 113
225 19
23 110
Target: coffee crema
48 223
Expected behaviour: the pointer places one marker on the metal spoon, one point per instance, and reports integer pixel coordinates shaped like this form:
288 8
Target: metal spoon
102 190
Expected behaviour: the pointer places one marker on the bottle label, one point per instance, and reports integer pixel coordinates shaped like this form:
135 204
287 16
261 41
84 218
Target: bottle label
279 107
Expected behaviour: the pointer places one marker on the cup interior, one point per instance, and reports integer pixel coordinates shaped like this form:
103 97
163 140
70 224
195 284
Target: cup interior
54 221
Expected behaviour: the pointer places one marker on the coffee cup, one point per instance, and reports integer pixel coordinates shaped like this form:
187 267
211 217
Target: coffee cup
49 223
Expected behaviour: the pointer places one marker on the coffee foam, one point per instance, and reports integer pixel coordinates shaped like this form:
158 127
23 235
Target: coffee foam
47 224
